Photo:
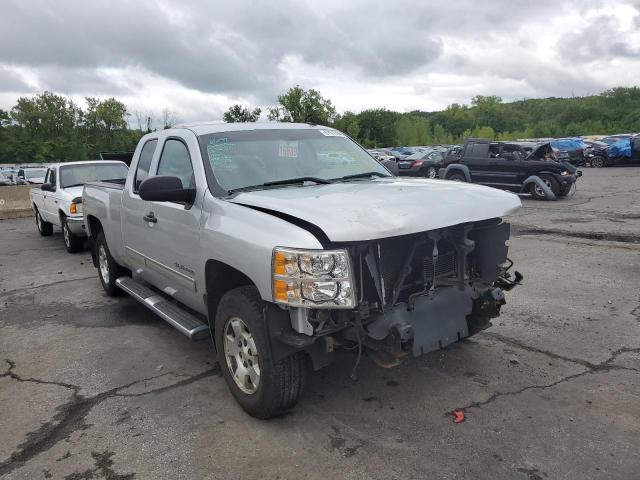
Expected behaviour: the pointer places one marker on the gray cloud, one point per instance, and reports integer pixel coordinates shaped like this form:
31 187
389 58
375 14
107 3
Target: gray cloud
10 81
599 40
239 49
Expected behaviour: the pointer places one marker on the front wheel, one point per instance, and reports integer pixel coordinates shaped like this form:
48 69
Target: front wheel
44 228
108 268
538 193
264 388
597 162
72 243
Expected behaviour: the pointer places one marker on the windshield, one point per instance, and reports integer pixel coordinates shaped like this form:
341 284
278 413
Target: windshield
253 157
35 173
71 175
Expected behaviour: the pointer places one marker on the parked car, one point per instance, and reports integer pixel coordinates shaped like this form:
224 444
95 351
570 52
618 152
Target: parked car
571 150
422 164
243 232
31 176
10 174
58 201
520 167
624 152
596 153
611 139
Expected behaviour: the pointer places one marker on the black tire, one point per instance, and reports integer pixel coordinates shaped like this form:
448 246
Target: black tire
597 162
72 243
44 228
114 270
280 383
565 190
456 177
551 182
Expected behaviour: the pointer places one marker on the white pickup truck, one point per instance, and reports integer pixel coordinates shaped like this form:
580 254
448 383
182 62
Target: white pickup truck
58 201
287 242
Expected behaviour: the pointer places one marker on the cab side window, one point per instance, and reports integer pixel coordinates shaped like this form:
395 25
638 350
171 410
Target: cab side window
176 162
144 163
52 177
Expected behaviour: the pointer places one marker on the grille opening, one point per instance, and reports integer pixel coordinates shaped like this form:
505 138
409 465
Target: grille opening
392 256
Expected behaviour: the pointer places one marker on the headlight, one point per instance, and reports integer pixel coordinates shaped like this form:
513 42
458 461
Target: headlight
566 173
75 208
312 278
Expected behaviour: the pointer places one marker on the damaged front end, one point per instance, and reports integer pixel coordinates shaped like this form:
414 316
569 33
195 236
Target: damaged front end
416 293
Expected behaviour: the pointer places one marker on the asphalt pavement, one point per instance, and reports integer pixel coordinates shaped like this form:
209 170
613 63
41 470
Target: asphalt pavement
93 387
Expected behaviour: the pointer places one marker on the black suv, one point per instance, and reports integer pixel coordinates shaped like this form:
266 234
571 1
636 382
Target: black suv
517 166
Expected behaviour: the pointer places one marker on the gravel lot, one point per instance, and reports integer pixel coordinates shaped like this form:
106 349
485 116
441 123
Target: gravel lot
93 387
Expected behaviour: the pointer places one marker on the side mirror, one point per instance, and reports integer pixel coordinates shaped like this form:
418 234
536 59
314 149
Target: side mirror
165 188
47 187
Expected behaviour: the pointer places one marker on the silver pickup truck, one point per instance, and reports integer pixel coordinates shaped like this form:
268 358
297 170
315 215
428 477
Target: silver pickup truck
288 242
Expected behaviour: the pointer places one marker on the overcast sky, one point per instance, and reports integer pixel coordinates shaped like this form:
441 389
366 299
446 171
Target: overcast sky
198 57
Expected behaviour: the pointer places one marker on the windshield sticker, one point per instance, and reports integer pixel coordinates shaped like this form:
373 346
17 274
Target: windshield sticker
288 149
331 132
220 152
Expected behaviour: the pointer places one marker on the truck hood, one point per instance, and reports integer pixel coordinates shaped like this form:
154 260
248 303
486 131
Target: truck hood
367 210
74 192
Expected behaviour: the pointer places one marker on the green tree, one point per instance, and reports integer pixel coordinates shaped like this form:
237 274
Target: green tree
412 130
303 106
348 123
238 113
377 127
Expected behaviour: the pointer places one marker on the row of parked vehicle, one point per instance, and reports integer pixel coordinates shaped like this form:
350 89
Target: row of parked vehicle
528 167
22 176
591 151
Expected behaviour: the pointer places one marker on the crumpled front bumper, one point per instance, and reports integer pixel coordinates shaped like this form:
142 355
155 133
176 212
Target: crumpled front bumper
436 320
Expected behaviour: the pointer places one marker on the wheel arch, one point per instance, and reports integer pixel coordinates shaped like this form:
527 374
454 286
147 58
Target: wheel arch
220 278
458 168
94 226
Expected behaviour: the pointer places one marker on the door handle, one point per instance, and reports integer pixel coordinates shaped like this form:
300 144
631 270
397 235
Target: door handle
150 217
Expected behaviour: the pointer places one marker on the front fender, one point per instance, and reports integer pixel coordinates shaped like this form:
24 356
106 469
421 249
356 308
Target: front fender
458 168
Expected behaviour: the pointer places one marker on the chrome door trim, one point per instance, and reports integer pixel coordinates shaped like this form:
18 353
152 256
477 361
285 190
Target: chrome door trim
148 260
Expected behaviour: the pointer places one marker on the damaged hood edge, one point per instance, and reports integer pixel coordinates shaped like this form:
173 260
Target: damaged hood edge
358 211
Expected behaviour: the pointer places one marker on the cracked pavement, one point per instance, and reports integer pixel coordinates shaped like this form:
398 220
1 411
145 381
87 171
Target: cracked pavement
93 387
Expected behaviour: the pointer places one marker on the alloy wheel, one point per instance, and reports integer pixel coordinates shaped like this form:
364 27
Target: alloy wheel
67 235
241 354
103 264
539 190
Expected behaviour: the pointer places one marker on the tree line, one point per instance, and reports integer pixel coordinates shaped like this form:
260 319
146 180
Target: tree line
49 127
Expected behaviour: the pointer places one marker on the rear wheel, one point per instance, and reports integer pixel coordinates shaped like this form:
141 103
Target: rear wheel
264 388
72 243
108 268
431 172
597 162
538 193
45 228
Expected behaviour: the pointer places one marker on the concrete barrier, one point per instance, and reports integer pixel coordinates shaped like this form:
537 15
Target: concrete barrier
14 201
